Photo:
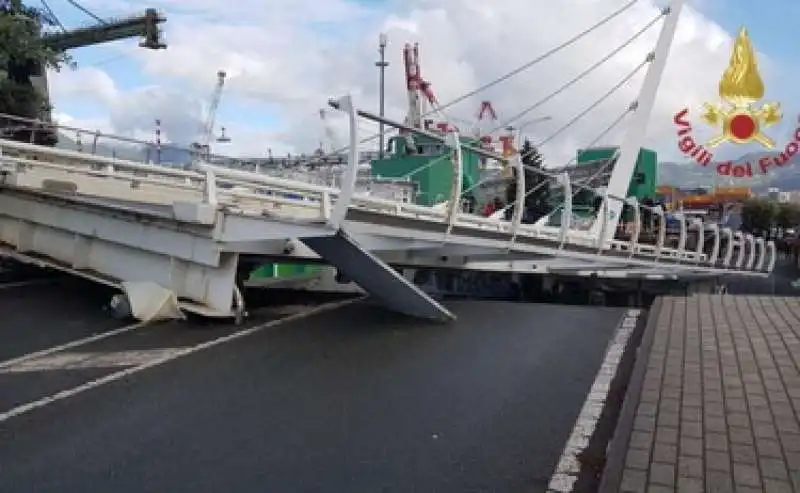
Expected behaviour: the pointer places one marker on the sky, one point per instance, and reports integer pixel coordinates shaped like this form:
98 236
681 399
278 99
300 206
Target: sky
286 58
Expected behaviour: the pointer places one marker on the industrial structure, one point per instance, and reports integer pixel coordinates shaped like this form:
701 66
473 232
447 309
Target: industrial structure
144 26
203 148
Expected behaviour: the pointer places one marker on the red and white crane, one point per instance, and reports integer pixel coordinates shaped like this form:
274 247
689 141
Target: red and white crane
419 90
421 95
485 112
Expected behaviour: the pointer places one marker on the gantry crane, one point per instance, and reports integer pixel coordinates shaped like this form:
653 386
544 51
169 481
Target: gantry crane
145 26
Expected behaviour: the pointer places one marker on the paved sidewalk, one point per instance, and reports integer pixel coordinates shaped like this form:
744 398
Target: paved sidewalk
718 400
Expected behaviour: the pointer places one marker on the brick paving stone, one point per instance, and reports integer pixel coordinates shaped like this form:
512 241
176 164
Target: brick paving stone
746 475
690 485
744 453
790 442
667 434
633 481
641 440
717 461
742 436
691 446
719 409
793 461
662 474
774 469
638 459
657 488
690 467
665 452
772 486
747 489
718 482
716 441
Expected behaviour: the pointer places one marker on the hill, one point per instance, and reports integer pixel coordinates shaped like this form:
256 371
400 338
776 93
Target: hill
786 177
127 152
130 152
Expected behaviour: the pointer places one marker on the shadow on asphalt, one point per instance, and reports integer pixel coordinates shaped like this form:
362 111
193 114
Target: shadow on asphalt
777 284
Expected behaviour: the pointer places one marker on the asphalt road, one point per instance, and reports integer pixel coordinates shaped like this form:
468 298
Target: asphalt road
779 283
354 400
57 334
49 312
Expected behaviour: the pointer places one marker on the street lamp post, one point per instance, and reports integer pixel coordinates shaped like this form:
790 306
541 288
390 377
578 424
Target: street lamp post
522 126
381 64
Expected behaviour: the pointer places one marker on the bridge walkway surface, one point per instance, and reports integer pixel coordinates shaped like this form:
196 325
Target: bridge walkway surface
714 400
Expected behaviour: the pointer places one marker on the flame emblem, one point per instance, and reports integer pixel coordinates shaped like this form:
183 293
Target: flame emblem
741 86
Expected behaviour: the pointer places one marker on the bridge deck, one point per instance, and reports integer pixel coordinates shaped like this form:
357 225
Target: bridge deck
146 208
155 209
716 404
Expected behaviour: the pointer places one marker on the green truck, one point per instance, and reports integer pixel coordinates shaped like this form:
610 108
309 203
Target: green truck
429 166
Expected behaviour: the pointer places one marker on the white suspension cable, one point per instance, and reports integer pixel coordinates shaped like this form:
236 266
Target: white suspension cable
582 185
86 11
597 103
554 176
443 157
566 44
570 123
53 17
583 74
543 56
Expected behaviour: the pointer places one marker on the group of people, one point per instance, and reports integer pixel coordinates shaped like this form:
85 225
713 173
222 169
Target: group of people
492 206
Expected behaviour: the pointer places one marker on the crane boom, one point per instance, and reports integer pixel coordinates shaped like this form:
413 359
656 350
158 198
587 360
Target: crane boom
145 26
208 131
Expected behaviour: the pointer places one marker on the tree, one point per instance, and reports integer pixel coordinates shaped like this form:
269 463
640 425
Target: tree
24 53
537 185
759 214
788 215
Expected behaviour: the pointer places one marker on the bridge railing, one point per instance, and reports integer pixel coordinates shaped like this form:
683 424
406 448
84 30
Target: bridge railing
98 143
756 254
259 194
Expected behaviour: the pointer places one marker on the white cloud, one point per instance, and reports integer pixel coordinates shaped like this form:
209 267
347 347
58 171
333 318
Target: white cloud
288 57
88 83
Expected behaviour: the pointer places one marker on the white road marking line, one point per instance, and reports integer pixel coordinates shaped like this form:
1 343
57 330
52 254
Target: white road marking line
569 467
64 394
287 309
82 361
69 345
32 282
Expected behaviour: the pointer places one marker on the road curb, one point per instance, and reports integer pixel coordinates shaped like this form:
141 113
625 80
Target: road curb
611 475
580 465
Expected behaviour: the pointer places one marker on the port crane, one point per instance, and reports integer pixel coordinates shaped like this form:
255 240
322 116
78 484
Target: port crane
203 148
145 26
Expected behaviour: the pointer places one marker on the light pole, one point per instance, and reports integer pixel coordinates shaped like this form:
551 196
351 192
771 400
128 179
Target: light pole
381 64
522 126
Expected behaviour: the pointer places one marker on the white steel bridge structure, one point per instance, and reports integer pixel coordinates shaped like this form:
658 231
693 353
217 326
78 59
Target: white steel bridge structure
181 233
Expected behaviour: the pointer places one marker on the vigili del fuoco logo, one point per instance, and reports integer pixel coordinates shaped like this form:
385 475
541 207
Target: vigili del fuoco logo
739 120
